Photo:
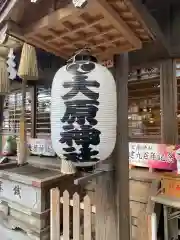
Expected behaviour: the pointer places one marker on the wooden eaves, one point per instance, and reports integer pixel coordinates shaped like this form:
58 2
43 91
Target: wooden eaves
106 26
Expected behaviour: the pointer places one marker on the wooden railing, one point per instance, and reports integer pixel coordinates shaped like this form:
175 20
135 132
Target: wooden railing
77 220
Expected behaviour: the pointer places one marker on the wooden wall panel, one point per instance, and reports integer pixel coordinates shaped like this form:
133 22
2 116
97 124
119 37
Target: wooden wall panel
139 191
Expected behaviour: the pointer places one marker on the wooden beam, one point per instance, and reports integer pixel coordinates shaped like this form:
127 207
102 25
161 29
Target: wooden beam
121 156
137 13
36 41
19 9
109 53
3 35
4 14
64 13
51 19
149 21
175 34
17 32
151 52
33 12
119 23
168 89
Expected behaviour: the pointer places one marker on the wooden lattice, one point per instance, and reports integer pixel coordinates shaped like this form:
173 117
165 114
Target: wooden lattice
105 26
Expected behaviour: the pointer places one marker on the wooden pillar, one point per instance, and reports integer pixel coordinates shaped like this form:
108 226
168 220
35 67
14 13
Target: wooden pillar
22 158
112 191
169 126
1 120
168 89
33 107
121 156
106 218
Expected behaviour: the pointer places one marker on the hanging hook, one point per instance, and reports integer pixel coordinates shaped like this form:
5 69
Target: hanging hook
80 3
84 54
78 52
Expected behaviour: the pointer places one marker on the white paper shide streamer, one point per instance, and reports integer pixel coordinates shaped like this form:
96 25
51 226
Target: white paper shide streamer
83 113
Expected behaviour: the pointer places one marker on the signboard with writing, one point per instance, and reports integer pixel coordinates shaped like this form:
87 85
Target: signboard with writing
108 63
41 147
150 155
153 155
19 193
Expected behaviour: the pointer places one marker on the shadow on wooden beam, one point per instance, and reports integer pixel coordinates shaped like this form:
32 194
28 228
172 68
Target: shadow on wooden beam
151 23
151 52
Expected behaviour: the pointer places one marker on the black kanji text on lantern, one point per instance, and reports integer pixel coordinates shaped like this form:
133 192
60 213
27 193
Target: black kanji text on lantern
79 119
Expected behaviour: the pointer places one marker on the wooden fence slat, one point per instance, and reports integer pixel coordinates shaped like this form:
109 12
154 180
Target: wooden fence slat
66 225
130 222
55 214
87 218
93 208
76 217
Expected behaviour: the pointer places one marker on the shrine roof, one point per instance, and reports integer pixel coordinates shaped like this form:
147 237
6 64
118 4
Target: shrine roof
107 27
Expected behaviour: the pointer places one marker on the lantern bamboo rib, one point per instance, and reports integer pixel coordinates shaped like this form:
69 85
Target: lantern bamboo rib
28 67
4 79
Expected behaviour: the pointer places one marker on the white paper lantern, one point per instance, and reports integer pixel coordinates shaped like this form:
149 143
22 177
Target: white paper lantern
83 113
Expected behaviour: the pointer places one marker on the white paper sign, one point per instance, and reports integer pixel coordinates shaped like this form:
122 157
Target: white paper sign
41 147
140 153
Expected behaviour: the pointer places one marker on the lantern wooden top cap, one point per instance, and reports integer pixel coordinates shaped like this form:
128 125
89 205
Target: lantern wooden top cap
105 26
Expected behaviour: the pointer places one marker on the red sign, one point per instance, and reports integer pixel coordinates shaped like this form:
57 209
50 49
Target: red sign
152 155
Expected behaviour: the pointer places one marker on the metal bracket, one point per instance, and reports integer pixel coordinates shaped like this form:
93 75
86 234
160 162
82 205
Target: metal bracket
103 168
80 3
